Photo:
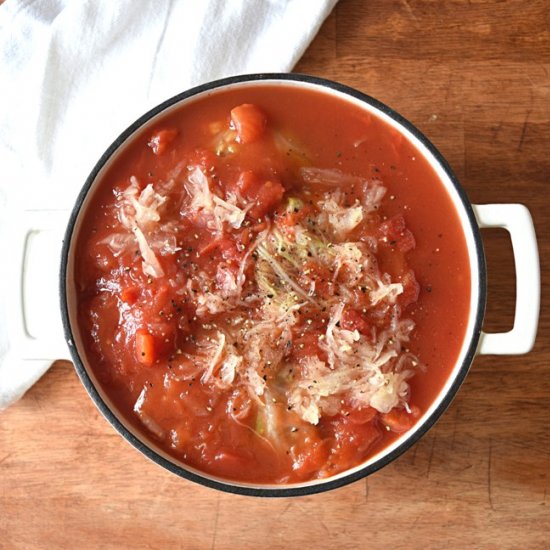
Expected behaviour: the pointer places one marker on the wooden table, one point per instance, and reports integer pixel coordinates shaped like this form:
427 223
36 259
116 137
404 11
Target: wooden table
474 76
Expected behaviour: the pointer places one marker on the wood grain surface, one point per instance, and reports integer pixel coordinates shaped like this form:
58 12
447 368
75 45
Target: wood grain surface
474 76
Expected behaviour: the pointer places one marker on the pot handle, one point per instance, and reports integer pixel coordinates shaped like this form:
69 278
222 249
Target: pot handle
516 219
35 330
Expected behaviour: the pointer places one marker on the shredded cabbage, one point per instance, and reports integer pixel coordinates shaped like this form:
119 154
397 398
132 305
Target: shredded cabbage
139 212
219 359
328 177
369 374
213 352
140 209
150 264
341 219
216 210
364 370
385 290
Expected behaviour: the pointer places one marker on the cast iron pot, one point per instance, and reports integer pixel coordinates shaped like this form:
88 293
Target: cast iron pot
513 217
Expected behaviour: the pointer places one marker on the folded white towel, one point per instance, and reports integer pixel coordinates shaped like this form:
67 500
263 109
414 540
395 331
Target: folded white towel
73 75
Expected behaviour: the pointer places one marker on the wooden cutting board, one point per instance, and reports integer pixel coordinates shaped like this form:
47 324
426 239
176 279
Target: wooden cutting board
474 76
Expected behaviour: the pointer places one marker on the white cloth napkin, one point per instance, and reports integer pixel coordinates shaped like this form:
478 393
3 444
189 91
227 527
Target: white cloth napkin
73 75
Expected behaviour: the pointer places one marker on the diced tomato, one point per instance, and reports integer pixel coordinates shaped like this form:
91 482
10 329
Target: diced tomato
161 140
411 289
361 415
399 420
267 199
311 456
164 333
395 233
145 347
351 438
161 298
393 228
249 184
266 194
353 319
359 436
249 121
129 294
407 241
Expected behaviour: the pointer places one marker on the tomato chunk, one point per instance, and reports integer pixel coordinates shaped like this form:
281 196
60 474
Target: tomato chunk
145 347
269 196
395 233
352 437
310 457
361 415
266 194
161 140
399 420
249 121
249 184
363 436
411 289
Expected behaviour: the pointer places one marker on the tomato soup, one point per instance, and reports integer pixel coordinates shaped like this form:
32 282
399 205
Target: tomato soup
272 284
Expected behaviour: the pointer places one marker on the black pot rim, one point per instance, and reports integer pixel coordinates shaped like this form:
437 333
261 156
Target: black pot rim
273 491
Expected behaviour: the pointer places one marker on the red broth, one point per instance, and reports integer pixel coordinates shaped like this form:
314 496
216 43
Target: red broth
272 284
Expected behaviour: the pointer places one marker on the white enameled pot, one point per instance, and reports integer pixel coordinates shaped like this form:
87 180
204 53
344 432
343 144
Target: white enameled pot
515 218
